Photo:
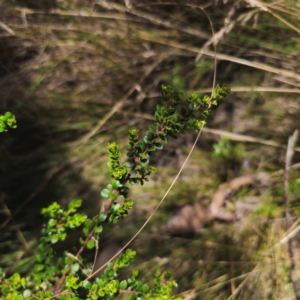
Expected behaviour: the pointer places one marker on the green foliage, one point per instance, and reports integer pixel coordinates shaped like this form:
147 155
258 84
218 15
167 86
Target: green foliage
226 150
8 120
176 78
69 276
61 219
268 209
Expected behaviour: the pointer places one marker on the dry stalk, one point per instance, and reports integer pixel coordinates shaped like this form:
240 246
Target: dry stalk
5 27
221 56
265 7
228 26
230 135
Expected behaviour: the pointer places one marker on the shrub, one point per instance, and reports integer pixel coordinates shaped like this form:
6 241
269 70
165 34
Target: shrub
69 276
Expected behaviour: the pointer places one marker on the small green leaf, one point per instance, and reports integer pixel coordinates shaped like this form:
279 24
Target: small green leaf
75 268
101 293
132 173
116 206
151 148
105 193
90 244
39 267
129 164
68 260
167 275
144 162
87 285
102 217
112 196
62 236
98 229
133 181
94 287
41 247
52 222
89 224
86 231
145 288
39 257
142 145
163 138
157 273
26 294
152 128
158 146
149 135
147 140
143 155
123 285
54 239
116 184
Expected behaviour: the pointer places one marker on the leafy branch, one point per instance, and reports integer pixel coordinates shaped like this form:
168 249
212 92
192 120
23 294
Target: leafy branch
69 277
7 120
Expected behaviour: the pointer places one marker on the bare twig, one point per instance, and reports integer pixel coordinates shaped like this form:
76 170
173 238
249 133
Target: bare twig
289 236
289 156
221 56
23 15
153 18
263 7
228 26
238 89
288 162
5 27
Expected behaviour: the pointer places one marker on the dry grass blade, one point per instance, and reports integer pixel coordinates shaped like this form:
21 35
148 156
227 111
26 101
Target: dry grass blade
154 18
227 134
242 89
75 13
221 56
288 162
244 283
245 138
265 7
5 27
284 21
238 89
292 234
228 26
119 104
